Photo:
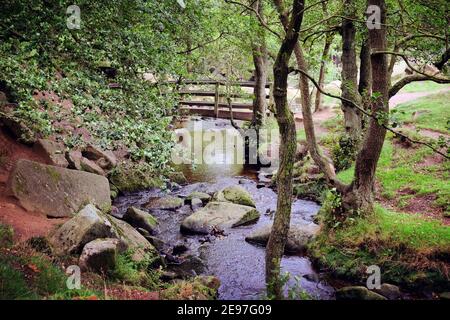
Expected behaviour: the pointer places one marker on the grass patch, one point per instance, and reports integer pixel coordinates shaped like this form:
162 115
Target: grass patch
409 249
423 86
136 273
398 170
429 112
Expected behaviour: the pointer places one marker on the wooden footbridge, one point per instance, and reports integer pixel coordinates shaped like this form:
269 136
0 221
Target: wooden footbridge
213 102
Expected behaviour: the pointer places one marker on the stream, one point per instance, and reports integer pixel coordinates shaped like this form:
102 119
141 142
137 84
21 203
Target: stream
238 264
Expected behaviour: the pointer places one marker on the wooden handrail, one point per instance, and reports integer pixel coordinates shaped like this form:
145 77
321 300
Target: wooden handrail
248 84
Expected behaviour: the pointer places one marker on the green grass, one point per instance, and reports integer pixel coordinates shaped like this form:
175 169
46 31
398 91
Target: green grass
433 112
409 249
423 86
397 170
6 236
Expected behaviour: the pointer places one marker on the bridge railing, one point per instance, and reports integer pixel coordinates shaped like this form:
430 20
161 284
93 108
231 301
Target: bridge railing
216 94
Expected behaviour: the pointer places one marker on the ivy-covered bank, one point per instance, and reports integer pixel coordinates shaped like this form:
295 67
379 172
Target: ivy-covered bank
96 83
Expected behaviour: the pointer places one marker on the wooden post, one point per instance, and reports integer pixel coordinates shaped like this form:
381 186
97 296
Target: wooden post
216 100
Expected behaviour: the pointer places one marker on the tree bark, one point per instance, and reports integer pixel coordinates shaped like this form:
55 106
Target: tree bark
288 146
365 70
325 53
360 198
259 52
352 118
325 164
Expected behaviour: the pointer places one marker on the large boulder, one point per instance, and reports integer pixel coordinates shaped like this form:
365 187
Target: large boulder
165 203
52 152
219 214
357 293
55 191
141 219
100 255
236 195
298 237
89 224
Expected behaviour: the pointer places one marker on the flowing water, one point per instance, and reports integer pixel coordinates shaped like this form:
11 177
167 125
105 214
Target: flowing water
239 265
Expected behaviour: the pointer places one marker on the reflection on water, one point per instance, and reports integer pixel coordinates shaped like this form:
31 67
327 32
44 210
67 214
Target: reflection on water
210 149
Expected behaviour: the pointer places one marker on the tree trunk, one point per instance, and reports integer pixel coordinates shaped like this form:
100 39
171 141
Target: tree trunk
325 53
259 52
325 164
288 146
360 198
352 118
365 70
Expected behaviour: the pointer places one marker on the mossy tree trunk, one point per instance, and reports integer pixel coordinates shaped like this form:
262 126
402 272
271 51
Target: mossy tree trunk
359 197
288 144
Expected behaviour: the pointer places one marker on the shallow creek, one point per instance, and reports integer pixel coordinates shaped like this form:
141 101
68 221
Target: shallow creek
239 265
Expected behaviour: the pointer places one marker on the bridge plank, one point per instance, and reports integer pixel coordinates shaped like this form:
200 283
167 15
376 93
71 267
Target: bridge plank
234 105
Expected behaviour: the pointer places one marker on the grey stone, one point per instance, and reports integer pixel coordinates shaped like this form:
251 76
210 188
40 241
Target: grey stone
55 191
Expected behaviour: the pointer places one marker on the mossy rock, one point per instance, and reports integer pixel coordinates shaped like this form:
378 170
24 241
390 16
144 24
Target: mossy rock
141 219
357 293
129 177
177 177
236 195
219 214
165 203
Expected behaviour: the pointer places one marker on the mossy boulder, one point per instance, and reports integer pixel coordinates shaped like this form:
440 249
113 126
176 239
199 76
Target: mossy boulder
357 293
56 191
219 214
141 219
298 237
140 247
236 195
165 203
177 177
128 177
87 225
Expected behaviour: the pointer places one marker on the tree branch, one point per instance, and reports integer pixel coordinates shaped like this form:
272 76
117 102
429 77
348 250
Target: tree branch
368 114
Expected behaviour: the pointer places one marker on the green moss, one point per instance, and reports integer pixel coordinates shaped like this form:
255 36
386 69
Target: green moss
409 249
54 175
137 273
195 289
237 195
131 177
250 216
6 236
